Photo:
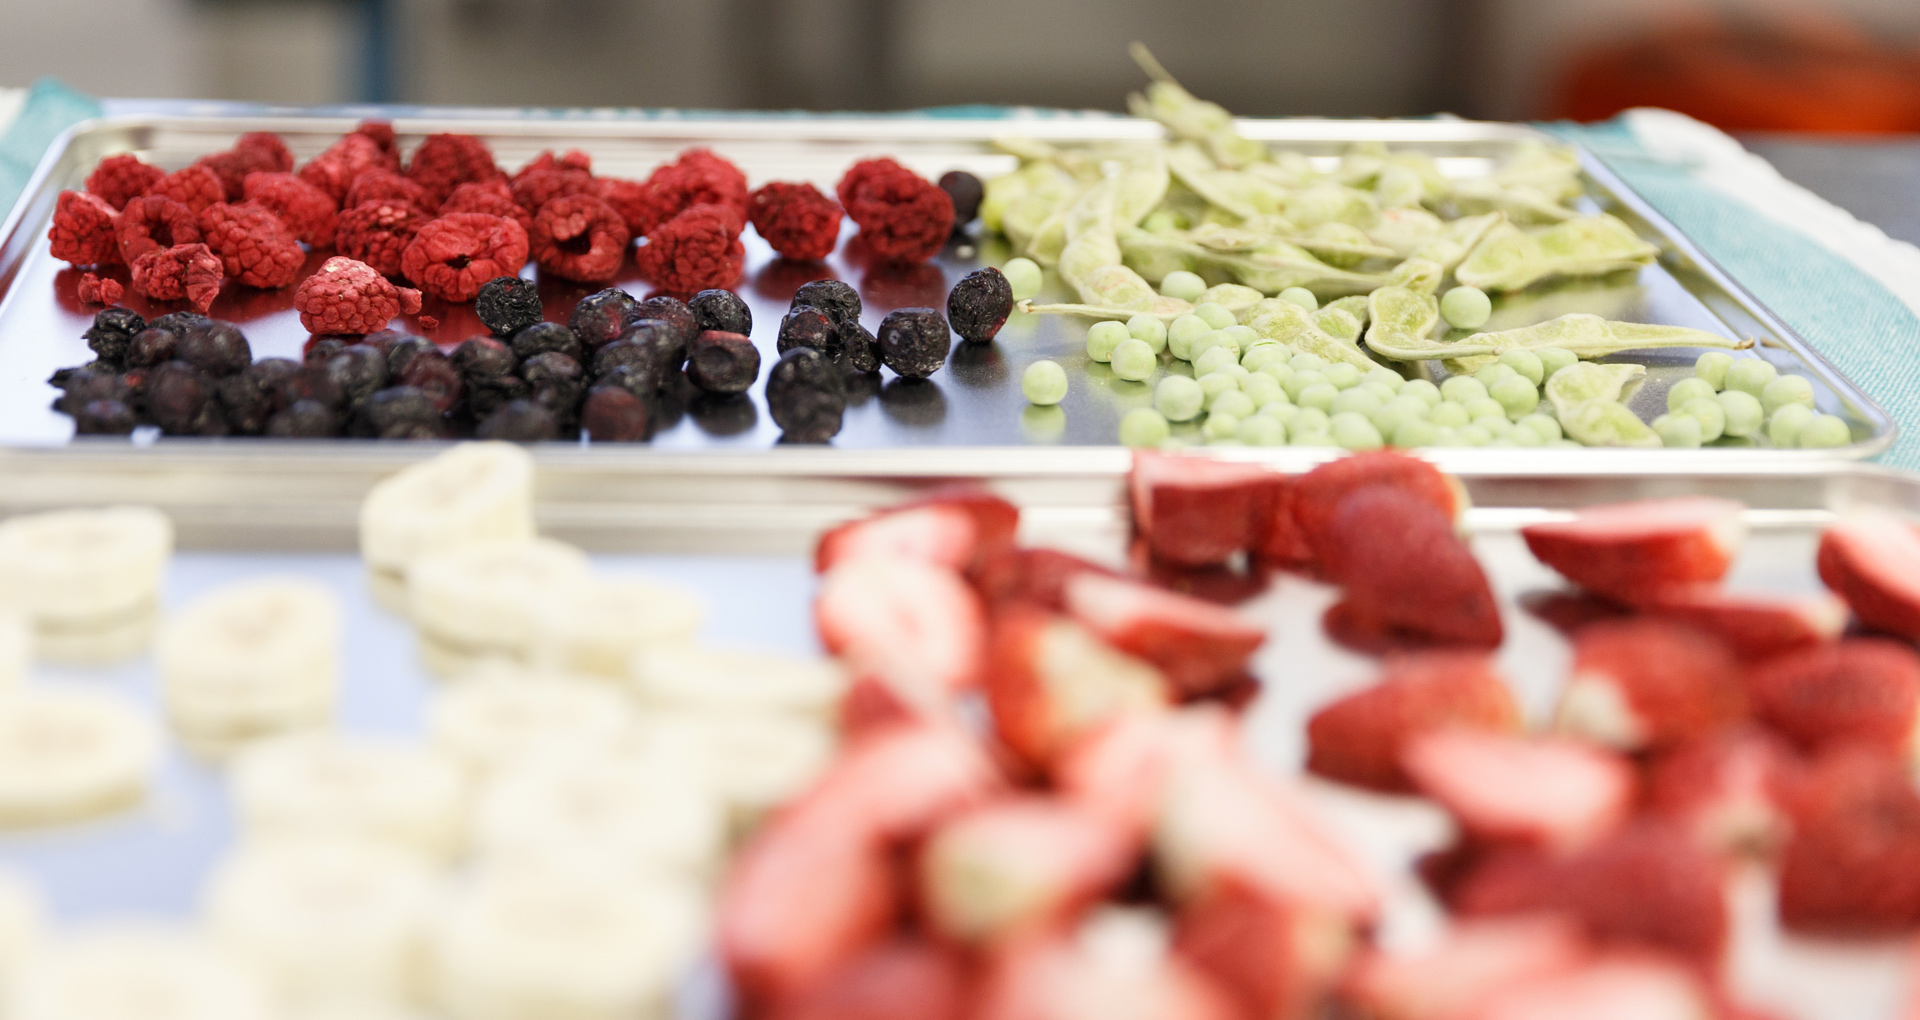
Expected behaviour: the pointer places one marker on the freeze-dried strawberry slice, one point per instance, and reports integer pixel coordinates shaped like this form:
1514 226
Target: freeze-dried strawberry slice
1639 986
1643 683
1474 961
1864 690
960 530
1405 574
1548 792
1198 512
1873 561
1198 646
1050 682
1035 576
1114 967
1360 738
1120 769
1852 866
1018 866
1631 551
904 979
913 626
1726 790
1753 626
896 785
1318 493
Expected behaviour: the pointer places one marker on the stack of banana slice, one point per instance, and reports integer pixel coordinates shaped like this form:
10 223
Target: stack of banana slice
87 580
253 658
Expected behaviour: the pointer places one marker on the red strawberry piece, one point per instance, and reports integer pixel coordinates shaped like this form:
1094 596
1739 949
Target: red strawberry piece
1318 493
1115 969
1276 957
1035 576
1120 769
1198 512
960 530
1051 681
1360 738
1474 960
1612 988
1284 543
1861 689
1725 790
1406 573
1648 683
1226 584
903 979
1017 866
1873 561
1569 611
899 783
1631 551
1550 792
914 626
1754 627
1852 866
1199 647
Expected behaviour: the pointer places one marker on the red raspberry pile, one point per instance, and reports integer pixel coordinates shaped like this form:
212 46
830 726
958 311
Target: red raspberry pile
447 161
254 246
351 298
579 237
258 152
796 220
697 250
378 232
452 256
903 217
184 272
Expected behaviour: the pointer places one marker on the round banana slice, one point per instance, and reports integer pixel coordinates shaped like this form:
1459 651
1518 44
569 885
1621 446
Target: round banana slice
79 568
16 650
405 796
326 919
647 811
67 755
251 658
499 713
597 626
472 494
135 974
22 919
700 679
352 1009
102 644
755 762
535 943
480 600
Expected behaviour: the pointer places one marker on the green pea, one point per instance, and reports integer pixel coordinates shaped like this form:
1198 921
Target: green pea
1043 423
1179 398
1414 433
1354 401
1134 360
1388 417
1282 412
1023 275
1240 374
1243 337
1216 315
1343 375
1216 384
1825 431
1318 395
1546 428
1446 436
1750 375
1788 389
1524 437
1300 380
1103 337
1044 383
1567 444
1496 425
1493 373
1466 308
1261 430
1473 435
1213 359
1461 389
1220 425
1261 355
1149 330
1278 371
1354 432
1311 419
1712 415
1678 430
1182 332
1712 366
1212 340
1384 376
1484 407
1301 296
1690 388
1231 402
1527 364
1183 285
1309 437
1553 359
1143 426
1786 424
1517 394
1304 361
1264 389
1448 414
1423 389
1744 416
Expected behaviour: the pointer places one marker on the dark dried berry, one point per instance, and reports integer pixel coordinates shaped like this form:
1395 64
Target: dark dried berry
807 326
837 298
485 396
111 333
61 376
483 357
672 311
647 354
544 337
180 400
614 415
663 337
722 310
601 317
859 351
914 342
805 396
151 346
434 375
250 397
400 412
507 305
722 362
384 340
304 419
86 384
966 191
635 379
979 304
555 382
215 347
177 323
321 349
403 350
360 372
311 384
105 418
520 421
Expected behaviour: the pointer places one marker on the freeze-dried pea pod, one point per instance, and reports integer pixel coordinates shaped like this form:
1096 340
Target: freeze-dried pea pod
1607 423
1591 336
1404 231
1083 164
1027 216
1240 194
1361 164
1509 258
1341 245
1047 243
1288 323
1140 188
1338 323
1251 234
1587 399
1585 382
1330 203
1551 170
1518 202
1457 240
1114 292
1403 321
1154 255
1336 244
1186 116
1418 274
1354 305
1399 187
1288 169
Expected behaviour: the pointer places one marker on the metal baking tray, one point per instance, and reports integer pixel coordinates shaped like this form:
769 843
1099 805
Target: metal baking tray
150 862
974 403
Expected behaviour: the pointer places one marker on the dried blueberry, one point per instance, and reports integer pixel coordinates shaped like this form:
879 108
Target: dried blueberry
111 332
484 396
250 397
507 305
723 362
835 297
601 318
914 342
665 337
647 354
613 414
807 326
672 311
434 375
360 372
805 396
520 421
542 337
180 401
304 419
400 412
215 347
859 351
177 323
105 418
403 350
979 304
152 346
722 310
88 383
966 191
321 349
554 381
483 357
313 384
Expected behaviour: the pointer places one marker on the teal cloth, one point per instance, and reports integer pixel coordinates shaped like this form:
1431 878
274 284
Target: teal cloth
51 108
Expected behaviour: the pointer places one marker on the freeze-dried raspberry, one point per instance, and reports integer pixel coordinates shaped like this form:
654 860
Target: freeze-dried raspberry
257 152
196 187
725 217
428 322
351 298
572 159
254 246
452 256
578 237
493 197
699 177
153 221
796 220
385 185
184 272
536 189
637 202
83 230
96 291
444 162
311 214
902 216
692 252
377 232
382 134
334 170
120 179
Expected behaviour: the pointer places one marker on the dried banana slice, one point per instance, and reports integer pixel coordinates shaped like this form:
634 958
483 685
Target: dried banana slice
499 713
144 973
597 625
324 919
479 601
16 650
67 755
473 493
83 569
22 922
250 659
533 943
755 761
410 797
700 679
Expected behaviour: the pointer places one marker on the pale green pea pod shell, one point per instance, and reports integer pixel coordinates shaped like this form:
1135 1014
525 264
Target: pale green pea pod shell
1330 203
1402 324
1338 323
1590 336
1115 292
1607 423
1457 241
1509 258
1341 245
1290 170
1420 275
1288 323
1140 188
1048 242
1241 194
1188 117
1518 202
1231 296
1405 230
1354 305
1157 255
1585 382
1552 170
1399 187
